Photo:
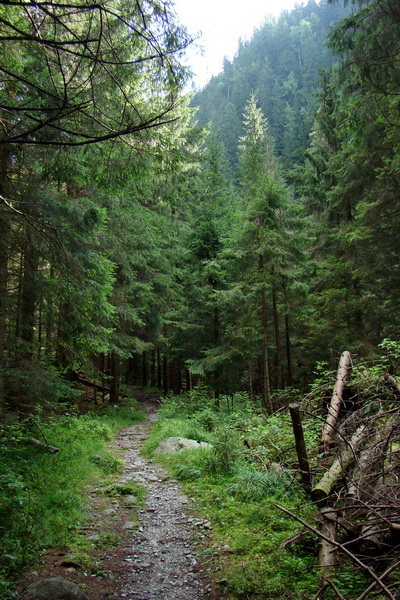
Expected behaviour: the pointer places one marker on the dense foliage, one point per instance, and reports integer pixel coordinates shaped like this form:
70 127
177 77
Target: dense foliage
235 239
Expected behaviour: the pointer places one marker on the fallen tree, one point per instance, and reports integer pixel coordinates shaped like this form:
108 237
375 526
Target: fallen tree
328 431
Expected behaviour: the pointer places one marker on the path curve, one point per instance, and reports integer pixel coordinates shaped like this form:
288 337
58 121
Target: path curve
155 561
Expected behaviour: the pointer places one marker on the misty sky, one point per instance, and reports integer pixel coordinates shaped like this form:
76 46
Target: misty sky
222 23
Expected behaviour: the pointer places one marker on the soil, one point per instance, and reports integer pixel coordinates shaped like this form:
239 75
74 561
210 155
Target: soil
151 550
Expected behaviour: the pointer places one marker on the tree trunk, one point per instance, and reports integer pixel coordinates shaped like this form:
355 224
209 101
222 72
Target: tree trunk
266 383
153 369
300 446
327 556
287 340
278 347
266 401
336 401
165 374
28 294
5 221
251 389
159 370
114 381
144 369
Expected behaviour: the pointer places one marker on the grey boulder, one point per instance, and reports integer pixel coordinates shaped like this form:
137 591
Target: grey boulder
176 444
56 588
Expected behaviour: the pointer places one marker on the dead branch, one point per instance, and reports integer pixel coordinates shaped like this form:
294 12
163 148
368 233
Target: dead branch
373 585
343 549
34 442
335 589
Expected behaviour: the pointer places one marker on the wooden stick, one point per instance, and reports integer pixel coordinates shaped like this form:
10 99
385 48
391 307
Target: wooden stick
335 589
373 585
343 549
35 442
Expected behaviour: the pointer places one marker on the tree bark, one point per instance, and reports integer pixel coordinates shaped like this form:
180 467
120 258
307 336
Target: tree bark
325 486
114 381
5 219
336 401
327 556
28 294
300 446
278 348
266 381
393 381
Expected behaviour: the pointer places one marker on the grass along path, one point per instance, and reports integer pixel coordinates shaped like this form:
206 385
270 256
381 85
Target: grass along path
137 541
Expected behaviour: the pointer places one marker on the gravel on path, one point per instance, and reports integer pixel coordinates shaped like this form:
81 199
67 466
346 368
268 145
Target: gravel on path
155 556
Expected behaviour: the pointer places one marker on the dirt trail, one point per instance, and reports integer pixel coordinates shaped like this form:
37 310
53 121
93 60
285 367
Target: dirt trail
156 561
164 562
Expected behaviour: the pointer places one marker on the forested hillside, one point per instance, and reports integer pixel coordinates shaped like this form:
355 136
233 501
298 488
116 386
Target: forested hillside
281 65
131 252
234 242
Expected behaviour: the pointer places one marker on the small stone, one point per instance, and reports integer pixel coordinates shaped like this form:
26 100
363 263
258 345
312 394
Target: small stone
130 501
129 525
111 512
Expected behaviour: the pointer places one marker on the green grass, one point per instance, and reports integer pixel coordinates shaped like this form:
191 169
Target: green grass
42 495
234 489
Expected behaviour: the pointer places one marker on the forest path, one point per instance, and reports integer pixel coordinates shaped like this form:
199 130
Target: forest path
155 561
163 559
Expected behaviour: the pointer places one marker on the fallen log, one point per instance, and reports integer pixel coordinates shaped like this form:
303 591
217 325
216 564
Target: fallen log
47 447
393 381
97 386
336 400
325 486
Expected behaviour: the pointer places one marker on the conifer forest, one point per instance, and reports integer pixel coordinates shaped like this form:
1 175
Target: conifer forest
236 252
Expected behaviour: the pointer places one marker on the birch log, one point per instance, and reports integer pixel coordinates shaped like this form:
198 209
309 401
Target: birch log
327 557
328 481
393 381
336 401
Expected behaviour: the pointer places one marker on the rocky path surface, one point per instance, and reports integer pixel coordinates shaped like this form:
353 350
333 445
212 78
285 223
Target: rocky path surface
155 556
161 554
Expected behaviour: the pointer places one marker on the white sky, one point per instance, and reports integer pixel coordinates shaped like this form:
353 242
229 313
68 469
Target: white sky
221 24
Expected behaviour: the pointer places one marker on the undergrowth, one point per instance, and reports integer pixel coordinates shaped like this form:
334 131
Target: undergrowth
237 484
42 500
